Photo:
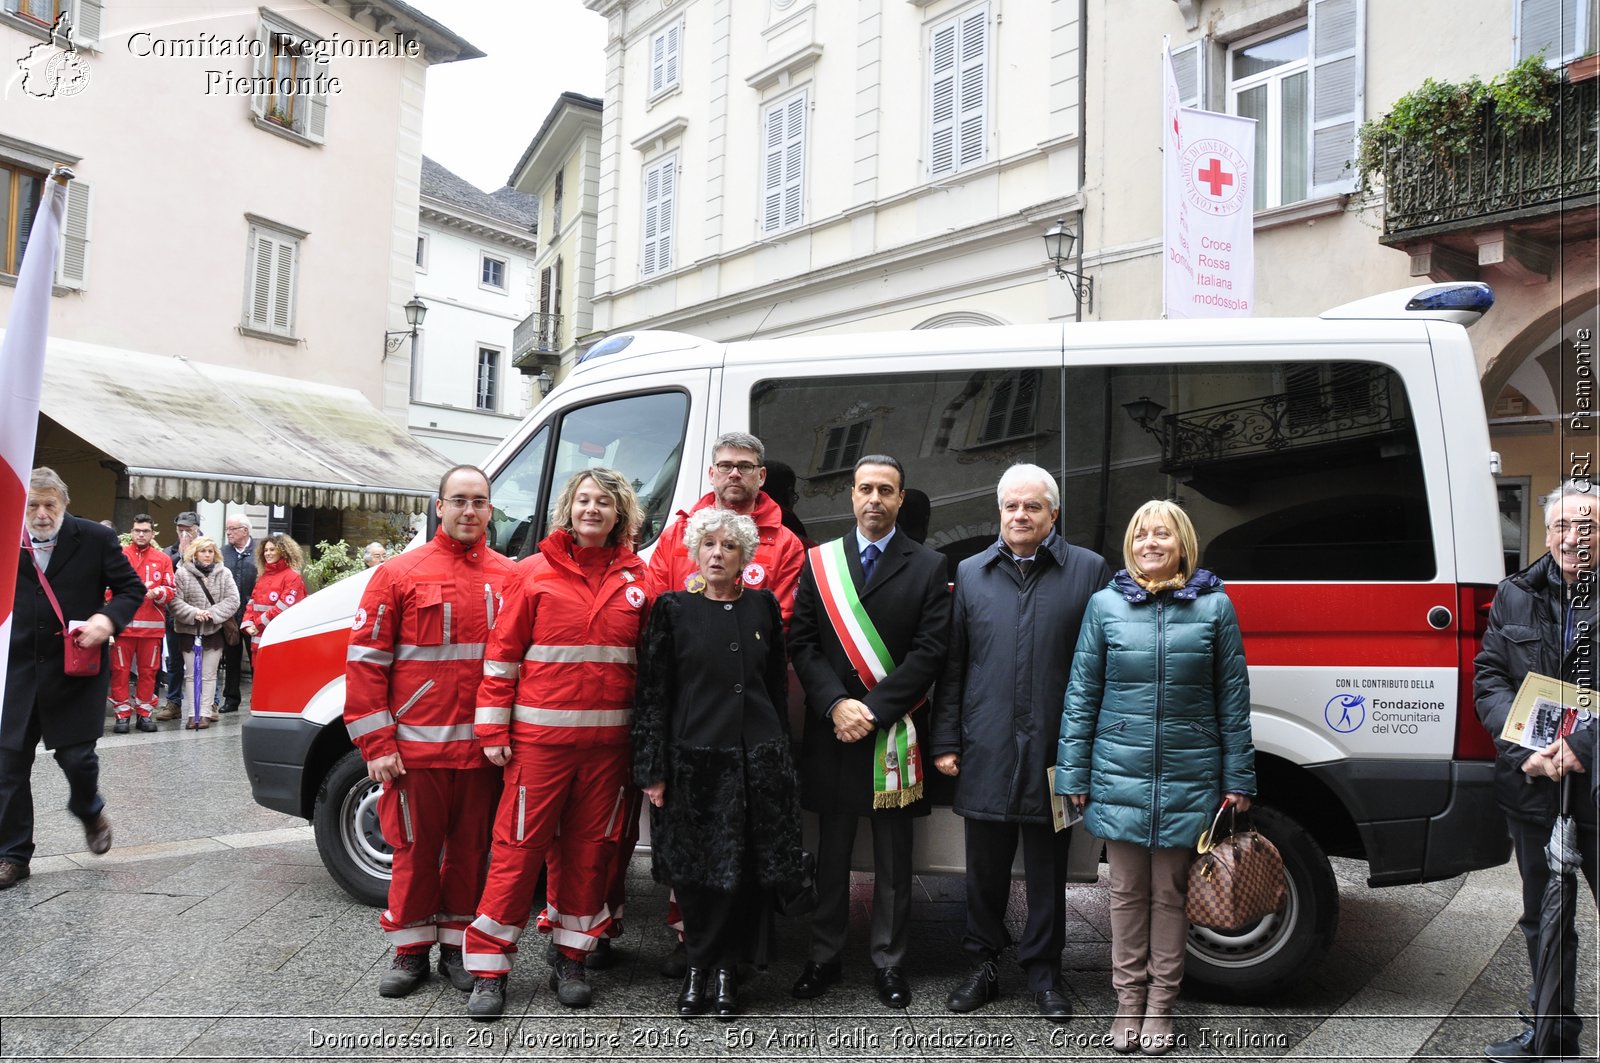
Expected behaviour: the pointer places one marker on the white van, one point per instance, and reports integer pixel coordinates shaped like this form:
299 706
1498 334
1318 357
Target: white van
1338 471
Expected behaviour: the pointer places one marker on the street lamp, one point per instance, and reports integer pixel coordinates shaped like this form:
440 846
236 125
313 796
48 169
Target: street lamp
1058 248
416 311
544 382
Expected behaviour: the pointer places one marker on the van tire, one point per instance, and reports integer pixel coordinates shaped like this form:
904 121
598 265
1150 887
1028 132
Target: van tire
1263 958
349 839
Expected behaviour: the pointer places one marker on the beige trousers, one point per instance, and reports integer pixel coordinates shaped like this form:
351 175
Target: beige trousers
1148 926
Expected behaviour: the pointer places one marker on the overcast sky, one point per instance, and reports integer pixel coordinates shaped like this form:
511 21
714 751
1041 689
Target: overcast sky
482 113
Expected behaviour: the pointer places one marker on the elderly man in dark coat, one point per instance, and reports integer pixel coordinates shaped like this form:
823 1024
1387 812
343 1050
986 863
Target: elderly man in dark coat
82 561
860 749
1018 606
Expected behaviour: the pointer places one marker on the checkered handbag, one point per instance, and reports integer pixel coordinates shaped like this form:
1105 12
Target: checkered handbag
1234 881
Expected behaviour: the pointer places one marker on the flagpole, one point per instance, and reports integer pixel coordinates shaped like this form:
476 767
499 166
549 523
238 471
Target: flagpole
22 355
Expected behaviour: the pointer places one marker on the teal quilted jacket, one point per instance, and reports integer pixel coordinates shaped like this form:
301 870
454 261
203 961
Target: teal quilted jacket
1155 727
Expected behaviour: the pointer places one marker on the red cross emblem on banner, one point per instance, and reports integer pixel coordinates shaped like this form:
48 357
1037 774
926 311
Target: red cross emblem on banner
1215 177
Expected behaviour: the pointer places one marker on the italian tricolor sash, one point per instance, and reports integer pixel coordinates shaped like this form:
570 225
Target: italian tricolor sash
896 761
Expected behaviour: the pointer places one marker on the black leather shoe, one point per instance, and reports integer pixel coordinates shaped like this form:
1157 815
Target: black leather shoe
693 998
230 705
815 978
1053 1005
725 993
97 833
893 989
982 986
146 724
121 726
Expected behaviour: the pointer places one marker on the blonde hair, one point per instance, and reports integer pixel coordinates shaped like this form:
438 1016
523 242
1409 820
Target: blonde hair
198 543
630 515
1173 516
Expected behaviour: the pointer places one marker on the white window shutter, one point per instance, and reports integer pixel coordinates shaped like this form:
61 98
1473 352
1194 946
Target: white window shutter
658 63
972 89
772 170
669 174
283 277
673 53
1550 26
1188 67
86 23
1338 41
794 163
258 307
942 99
263 68
652 220
72 269
317 106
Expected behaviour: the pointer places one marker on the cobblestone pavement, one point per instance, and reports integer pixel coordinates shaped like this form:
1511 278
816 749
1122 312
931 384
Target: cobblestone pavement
211 931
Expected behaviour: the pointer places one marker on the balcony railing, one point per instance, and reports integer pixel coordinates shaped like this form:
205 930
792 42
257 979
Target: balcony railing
1538 170
537 334
1361 404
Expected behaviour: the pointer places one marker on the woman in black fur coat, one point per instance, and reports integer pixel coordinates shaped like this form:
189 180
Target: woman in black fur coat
711 752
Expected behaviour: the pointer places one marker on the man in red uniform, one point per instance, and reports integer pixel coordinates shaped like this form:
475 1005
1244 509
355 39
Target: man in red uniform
411 685
737 472
139 645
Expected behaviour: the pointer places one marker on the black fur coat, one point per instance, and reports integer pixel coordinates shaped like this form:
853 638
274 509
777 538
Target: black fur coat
711 721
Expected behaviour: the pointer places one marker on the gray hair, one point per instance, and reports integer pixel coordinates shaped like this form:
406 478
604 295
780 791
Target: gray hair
1028 474
711 519
1580 488
44 478
740 441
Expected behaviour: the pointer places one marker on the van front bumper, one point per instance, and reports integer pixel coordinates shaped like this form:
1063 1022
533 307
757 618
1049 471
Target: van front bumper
1421 822
275 750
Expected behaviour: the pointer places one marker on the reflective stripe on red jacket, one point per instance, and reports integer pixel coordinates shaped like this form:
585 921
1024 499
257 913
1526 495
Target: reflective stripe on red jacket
416 653
561 663
780 555
279 587
154 568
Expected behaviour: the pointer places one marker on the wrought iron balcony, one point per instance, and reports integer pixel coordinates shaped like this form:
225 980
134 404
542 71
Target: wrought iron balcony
1506 177
1359 405
536 341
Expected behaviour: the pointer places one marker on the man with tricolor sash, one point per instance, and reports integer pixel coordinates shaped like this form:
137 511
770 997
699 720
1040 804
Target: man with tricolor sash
870 631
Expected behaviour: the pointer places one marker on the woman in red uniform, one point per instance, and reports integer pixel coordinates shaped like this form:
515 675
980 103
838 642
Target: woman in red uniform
278 585
555 708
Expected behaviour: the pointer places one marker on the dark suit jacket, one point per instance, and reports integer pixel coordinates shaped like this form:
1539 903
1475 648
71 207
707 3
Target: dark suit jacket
909 602
87 562
243 567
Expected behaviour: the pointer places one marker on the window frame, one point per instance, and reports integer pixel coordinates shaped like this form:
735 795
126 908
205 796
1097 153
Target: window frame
487 399
307 124
1269 171
424 245
281 237
484 259
1582 41
664 71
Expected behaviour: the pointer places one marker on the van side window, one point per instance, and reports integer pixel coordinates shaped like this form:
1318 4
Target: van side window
1306 471
639 435
1302 471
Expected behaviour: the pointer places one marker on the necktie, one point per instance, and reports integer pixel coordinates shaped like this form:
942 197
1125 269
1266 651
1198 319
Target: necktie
869 561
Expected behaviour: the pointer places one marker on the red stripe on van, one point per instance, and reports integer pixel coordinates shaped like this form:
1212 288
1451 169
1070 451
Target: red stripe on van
1345 625
288 674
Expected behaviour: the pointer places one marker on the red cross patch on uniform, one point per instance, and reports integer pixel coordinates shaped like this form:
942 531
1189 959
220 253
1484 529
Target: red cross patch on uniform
754 575
635 596
361 619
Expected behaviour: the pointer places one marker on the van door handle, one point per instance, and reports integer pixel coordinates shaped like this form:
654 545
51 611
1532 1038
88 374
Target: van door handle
1439 618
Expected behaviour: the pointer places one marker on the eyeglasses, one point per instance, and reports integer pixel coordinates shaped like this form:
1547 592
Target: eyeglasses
745 468
457 502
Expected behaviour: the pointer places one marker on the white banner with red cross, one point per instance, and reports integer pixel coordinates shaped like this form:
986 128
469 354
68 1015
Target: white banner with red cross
1208 207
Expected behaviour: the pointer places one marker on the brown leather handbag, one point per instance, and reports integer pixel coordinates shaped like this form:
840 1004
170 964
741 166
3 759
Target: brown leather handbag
1234 881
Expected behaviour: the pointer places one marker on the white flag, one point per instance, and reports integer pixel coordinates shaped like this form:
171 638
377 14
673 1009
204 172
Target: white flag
1208 209
21 380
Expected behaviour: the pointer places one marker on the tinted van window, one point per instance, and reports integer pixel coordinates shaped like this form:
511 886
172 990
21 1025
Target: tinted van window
1291 471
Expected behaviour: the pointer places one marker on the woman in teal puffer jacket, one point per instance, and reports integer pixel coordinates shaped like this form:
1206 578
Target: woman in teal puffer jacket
1154 731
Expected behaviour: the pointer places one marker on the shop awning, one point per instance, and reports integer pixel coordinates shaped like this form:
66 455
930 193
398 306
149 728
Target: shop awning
190 430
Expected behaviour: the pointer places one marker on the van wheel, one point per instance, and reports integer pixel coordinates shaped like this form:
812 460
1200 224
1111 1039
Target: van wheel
349 839
1253 962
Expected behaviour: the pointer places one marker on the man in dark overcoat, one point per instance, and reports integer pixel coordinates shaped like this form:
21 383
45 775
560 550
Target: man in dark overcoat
82 561
1017 610
238 554
899 585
